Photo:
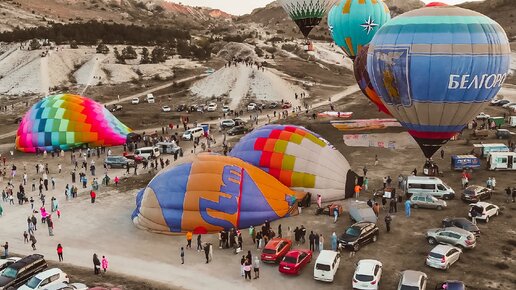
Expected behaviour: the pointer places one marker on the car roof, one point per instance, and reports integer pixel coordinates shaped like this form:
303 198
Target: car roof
442 249
49 272
25 261
362 224
412 278
482 204
272 244
327 255
61 285
475 187
366 266
457 230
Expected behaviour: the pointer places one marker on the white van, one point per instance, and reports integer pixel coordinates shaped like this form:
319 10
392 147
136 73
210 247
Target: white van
501 161
430 185
512 121
148 152
193 133
150 99
326 265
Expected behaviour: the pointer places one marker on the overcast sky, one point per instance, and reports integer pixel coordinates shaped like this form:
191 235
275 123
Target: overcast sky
239 7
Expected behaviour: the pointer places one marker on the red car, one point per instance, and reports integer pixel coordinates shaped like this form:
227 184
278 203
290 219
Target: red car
275 250
286 106
136 158
294 261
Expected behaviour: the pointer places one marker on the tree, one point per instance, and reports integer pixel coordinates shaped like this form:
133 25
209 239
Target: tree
158 55
145 56
73 45
34 44
129 53
119 58
102 48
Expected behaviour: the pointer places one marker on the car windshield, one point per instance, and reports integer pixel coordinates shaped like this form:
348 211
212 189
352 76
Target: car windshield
364 278
33 283
406 287
352 231
10 273
435 255
290 260
469 192
269 251
322 267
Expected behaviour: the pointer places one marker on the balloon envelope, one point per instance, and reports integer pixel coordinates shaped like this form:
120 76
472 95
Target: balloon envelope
297 157
66 121
363 80
209 193
436 68
306 13
353 23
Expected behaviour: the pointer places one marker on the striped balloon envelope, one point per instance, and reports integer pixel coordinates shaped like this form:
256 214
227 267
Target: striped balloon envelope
307 14
435 68
299 158
208 193
66 121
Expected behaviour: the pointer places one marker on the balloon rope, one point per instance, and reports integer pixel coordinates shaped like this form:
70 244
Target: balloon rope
240 197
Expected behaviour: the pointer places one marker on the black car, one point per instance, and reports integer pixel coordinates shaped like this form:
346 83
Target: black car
181 108
359 235
237 130
118 162
239 122
462 223
476 193
18 273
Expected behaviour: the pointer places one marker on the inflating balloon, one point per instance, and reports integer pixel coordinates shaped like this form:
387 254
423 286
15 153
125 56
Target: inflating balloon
363 80
297 157
66 121
307 14
435 68
353 23
209 193
434 4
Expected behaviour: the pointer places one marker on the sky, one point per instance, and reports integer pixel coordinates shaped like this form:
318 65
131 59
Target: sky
240 7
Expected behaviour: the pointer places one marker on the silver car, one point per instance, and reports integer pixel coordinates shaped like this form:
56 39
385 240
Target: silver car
427 201
412 280
453 236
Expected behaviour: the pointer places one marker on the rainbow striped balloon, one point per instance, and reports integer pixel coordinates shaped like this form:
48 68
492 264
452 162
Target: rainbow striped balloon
66 121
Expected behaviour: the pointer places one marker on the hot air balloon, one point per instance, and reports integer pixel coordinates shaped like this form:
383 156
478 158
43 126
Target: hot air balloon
363 80
436 68
434 4
307 14
299 158
66 121
209 193
353 23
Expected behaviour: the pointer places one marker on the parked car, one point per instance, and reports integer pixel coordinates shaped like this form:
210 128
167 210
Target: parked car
46 278
359 211
136 158
450 285
509 104
228 123
275 250
482 116
237 130
169 148
359 235
148 153
225 109
166 109
251 107
462 223
476 193
326 265
426 200
443 256
294 261
286 105
238 121
181 108
19 272
504 134
193 133
452 236
412 280
273 105
4 263
486 210
118 162
499 102
135 101
212 107
66 286
367 274
115 108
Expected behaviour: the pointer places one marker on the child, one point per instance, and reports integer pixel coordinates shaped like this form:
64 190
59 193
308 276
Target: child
104 264
58 213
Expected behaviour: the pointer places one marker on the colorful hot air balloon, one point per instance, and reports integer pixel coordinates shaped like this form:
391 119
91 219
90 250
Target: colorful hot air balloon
298 158
436 68
363 80
353 23
66 121
209 193
307 14
434 4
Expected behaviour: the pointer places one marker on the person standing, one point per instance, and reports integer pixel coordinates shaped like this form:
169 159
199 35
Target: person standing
256 267
366 183
442 153
207 252
105 264
280 234
189 236
25 237
96 264
334 241
508 193
376 209
321 242
33 242
50 225
6 250
388 220
376 160
319 201
242 263
407 208
311 239
365 170
247 269
316 242
357 189
93 195
182 255
60 252
392 205
199 243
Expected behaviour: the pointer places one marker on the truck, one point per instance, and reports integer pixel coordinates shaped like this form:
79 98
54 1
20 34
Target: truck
461 162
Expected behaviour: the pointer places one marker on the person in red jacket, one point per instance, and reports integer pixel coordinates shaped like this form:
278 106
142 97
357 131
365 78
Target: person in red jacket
93 195
60 252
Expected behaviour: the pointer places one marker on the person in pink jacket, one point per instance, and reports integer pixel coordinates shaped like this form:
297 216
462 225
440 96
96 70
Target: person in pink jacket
104 263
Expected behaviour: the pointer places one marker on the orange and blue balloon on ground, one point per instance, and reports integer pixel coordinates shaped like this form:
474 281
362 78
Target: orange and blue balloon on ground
209 193
66 121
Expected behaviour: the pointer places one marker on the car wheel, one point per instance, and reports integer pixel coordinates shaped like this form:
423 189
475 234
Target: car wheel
375 238
356 247
496 213
439 207
487 219
432 241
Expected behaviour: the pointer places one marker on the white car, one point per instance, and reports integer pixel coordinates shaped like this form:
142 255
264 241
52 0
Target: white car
367 274
135 101
482 116
251 107
225 109
166 109
46 278
212 107
4 263
509 105
443 256
227 124
66 286
488 210
412 280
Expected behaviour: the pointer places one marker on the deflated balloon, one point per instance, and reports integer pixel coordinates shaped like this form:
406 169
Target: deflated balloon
209 193
435 68
298 158
66 121
307 14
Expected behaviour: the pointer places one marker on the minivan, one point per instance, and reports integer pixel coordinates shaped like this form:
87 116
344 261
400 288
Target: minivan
18 273
193 133
326 265
148 152
431 185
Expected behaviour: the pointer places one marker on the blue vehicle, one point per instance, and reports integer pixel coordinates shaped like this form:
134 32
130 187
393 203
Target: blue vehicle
461 162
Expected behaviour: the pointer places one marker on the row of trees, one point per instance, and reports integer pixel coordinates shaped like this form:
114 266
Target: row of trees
157 55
